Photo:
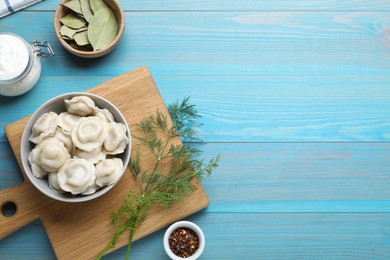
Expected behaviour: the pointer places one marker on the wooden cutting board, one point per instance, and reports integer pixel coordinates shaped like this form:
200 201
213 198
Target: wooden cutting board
81 230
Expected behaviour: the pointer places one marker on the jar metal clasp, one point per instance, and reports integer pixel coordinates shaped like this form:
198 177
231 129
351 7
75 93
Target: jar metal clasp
44 54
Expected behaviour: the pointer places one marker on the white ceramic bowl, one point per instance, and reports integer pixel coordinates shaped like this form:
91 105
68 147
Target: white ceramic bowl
184 224
57 105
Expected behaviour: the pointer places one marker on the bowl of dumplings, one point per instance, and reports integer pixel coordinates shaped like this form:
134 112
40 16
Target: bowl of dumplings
75 147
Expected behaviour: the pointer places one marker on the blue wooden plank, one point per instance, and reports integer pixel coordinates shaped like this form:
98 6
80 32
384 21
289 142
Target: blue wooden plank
246 235
244 108
245 43
294 177
295 71
290 108
10 173
31 242
210 5
287 177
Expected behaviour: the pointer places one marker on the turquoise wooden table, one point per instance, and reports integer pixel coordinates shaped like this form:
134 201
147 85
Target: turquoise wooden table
295 96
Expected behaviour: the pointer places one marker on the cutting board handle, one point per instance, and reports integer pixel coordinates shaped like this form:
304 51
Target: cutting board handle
26 207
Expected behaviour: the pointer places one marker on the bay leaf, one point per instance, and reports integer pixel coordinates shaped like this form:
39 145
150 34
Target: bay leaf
81 17
81 38
66 38
68 33
86 9
97 5
102 29
72 21
74 5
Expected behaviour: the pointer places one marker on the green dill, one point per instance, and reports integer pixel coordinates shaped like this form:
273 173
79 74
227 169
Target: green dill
161 184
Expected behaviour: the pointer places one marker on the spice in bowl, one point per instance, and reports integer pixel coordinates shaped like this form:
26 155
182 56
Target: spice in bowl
184 240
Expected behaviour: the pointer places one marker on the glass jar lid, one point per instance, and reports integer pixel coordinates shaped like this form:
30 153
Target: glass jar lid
15 57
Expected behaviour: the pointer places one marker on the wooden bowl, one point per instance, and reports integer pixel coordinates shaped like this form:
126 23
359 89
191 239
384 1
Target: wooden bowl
83 52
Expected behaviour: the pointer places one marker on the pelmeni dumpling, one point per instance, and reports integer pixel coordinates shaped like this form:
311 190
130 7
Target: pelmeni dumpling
104 115
91 189
76 175
64 137
36 169
51 154
89 133
116 140
53 182
108 171
93 156
80 105
45 126
67 120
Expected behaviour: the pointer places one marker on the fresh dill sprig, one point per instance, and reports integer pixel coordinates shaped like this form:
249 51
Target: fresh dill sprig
161 184
185 119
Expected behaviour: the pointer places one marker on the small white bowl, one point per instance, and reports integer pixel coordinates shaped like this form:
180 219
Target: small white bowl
184 224
57 105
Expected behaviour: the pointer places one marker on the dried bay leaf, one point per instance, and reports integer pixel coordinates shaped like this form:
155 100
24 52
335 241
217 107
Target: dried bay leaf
68 33
97 5
81 38
86 9
72 21
74 5
102 29
81 17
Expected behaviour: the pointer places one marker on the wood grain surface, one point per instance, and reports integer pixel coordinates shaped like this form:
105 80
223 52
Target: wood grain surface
302 77
293 94
70 226
210 5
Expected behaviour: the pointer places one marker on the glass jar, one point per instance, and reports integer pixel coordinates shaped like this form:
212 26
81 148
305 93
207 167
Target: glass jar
20 63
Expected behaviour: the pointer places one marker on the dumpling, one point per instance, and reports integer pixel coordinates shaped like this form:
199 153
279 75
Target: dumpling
64 137
91 189
89 133
104 115
36 169
50 154
116 140
53 182
76 175
80 105
66 121
45 126
93 156
108 171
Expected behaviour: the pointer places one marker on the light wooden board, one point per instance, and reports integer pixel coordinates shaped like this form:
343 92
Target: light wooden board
81 230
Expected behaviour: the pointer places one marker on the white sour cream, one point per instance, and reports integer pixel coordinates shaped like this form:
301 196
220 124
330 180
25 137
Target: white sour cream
20 68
